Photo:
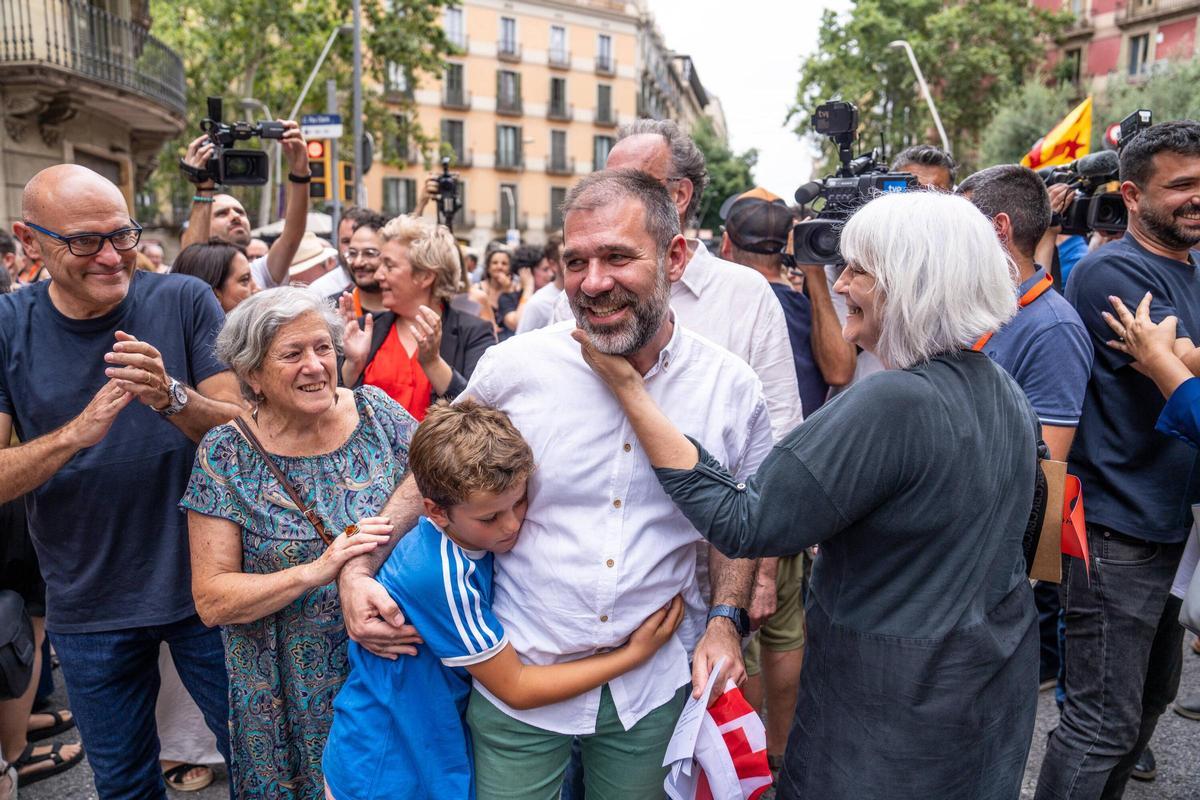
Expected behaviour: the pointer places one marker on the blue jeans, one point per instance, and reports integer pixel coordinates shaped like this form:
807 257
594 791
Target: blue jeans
112 680
1123 662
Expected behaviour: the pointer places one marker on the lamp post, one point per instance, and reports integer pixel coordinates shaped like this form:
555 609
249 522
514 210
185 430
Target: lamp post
357 106
912 59
264 200
345 29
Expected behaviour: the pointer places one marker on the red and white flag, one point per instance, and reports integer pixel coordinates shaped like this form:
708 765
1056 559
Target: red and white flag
730 757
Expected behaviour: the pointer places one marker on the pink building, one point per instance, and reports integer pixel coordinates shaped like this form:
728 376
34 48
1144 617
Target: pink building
1130 38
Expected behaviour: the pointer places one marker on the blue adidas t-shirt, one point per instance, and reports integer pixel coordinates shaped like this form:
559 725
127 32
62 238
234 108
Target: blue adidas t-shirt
112 544
398 726
1136 480
1046 350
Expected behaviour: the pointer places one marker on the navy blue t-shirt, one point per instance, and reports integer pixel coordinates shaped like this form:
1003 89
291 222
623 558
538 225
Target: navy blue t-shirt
1047 351
1136 480
797 311
111 541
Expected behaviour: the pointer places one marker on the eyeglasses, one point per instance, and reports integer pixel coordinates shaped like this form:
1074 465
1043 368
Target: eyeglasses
370 254
88 244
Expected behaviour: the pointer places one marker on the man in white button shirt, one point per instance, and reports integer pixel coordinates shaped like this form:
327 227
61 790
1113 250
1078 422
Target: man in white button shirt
602 546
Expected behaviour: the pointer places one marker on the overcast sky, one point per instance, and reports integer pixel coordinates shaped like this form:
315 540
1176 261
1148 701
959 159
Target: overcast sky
748 53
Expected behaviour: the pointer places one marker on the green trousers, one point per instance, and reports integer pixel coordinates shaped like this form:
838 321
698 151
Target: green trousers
516 760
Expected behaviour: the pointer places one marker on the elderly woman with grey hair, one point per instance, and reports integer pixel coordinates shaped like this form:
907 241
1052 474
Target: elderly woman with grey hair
278 500
921 674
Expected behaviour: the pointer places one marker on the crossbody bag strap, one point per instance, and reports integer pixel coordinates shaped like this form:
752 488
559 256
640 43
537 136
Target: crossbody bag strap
309 513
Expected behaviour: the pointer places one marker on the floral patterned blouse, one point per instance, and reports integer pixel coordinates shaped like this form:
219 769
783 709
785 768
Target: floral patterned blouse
285 669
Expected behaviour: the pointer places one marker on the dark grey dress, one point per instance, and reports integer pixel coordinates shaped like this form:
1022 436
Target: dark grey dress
920 679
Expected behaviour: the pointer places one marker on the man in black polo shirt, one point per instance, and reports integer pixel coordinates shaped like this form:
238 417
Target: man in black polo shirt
1123 654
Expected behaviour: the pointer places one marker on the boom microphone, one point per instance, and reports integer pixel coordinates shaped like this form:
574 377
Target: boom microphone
1102 166
808 192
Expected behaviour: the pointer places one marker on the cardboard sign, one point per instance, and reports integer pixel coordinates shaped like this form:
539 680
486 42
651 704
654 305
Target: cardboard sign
1047 561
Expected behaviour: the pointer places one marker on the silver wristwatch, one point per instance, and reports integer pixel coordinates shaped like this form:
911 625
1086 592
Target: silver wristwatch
178 395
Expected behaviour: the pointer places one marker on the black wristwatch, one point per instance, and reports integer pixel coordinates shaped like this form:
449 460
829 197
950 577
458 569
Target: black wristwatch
739 616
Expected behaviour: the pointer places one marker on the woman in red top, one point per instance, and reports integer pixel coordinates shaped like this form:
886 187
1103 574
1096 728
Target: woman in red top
419 349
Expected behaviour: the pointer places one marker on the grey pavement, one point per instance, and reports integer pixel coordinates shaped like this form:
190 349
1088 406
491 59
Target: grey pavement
1176 744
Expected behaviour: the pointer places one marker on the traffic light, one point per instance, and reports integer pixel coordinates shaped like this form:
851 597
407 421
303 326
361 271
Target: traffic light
347 183
321 186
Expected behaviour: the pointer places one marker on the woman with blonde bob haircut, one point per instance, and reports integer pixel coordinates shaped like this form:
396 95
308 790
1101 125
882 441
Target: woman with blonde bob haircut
419 349
917 483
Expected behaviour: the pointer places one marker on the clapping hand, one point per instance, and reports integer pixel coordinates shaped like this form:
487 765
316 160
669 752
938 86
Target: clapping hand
97 417
356 338
427 331
137 367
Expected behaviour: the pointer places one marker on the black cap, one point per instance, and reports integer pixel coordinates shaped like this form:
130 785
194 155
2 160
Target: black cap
757 221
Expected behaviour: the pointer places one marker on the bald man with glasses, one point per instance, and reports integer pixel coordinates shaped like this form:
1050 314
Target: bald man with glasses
108 378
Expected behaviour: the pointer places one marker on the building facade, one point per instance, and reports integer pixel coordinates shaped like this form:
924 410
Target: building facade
1123 38
83 82
532 100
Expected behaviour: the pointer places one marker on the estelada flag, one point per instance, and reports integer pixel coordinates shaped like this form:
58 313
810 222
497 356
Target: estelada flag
730 760
1070 139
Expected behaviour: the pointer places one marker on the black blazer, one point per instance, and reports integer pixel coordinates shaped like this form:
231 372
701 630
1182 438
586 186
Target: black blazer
464 339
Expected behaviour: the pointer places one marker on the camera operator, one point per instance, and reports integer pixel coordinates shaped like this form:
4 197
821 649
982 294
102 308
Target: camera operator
222 216
1123 654
933 166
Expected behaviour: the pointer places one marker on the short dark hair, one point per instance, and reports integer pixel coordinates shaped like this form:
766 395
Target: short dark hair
357 214
610 185
1137 157
527 255
925 155
1016 191
209 261
7 244
554 244
370 219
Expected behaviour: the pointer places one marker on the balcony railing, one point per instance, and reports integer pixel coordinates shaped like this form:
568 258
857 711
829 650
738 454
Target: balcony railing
560 165
1141 10
78 37
503 220
559 59
508 50
509 105
509 163
606 65
606 118
1080 25
462 159
562 112
456 99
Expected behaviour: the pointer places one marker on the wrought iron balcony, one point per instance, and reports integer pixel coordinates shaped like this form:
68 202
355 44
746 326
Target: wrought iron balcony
560 165
76 37
605 118
606 65
1145 10
563 112
508 50
509 105
456 99
559 59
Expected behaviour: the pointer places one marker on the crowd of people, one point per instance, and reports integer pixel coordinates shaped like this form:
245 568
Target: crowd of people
373 518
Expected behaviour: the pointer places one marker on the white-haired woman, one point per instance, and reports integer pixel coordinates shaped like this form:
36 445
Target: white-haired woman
419 349
920 678
278 501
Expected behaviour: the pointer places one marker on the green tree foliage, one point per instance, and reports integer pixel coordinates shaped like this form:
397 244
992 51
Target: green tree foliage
728 173
264 49
972 53
1022 118
1030 111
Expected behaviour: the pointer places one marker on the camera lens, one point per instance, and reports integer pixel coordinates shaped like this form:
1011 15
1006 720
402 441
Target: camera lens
238 166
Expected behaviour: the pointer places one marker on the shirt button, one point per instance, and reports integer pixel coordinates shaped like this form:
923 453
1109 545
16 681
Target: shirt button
610 563
604 617
666 363
628 447
617 503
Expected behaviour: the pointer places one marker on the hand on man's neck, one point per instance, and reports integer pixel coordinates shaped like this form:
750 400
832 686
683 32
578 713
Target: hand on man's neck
645 359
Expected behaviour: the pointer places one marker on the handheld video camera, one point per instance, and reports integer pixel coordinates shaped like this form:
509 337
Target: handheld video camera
236 167
448 202
816 241
1093 210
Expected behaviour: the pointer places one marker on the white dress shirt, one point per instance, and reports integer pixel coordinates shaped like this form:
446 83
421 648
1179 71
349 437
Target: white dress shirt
539 309
603 547
735 307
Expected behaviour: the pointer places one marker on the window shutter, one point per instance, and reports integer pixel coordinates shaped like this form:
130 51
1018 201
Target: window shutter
517 88
499 152
519 146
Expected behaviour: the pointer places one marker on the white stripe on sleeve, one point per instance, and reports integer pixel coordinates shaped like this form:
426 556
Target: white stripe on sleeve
448 583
